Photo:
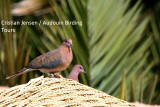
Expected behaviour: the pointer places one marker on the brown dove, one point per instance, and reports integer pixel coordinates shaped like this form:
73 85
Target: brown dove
51 62
76 70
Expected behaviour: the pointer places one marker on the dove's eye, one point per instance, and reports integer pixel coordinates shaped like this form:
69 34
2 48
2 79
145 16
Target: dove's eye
80 67
66 41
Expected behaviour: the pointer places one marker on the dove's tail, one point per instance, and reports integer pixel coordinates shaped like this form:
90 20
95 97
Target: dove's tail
22 71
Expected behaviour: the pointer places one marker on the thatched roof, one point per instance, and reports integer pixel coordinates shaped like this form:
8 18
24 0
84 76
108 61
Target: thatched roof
57 92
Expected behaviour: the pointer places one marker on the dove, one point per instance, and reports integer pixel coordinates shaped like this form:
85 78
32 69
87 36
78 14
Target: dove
76 70
51 62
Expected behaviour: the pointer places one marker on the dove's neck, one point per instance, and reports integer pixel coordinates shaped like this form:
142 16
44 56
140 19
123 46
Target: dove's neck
66 48
73 75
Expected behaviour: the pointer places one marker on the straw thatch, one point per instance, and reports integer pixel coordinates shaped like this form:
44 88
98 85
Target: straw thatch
57 92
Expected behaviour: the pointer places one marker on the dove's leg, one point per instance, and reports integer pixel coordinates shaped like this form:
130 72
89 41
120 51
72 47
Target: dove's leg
52 75
55 75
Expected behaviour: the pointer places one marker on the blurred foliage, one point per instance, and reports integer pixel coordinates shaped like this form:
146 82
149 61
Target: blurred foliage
118 46
14 52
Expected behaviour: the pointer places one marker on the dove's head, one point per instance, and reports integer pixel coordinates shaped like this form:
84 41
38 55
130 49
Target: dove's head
78 68
67 42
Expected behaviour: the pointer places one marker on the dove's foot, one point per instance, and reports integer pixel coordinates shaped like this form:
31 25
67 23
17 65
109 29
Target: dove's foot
55 75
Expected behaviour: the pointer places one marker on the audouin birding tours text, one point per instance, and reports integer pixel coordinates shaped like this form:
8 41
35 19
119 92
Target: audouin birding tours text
36 23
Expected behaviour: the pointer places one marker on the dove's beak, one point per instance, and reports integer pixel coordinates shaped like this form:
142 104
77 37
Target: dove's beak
84 72
71 44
